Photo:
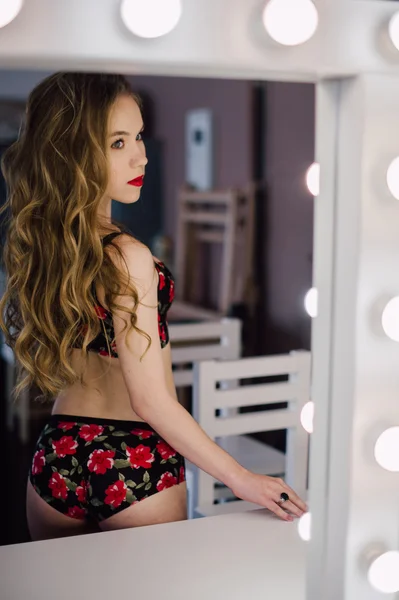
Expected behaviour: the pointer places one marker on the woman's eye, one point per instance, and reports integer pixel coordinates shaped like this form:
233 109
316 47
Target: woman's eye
139 137
117 142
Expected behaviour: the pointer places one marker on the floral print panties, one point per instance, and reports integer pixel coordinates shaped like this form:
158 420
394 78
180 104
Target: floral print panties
90 468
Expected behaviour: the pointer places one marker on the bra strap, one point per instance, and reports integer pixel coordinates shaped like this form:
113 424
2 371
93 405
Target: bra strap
110 236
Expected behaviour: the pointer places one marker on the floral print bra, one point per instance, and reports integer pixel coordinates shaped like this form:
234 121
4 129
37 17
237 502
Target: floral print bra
165 299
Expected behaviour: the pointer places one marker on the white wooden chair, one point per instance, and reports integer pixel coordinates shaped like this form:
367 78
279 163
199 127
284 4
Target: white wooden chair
193 342
224 217
208 398
219 340
211 340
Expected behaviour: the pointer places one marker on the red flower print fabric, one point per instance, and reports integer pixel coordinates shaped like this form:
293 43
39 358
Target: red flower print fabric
141 456
142 434
166 480
165 450
166 296
58 486
101 460
65 426
89 432
90 468
116 493
38 462
76 513
66 445
81 491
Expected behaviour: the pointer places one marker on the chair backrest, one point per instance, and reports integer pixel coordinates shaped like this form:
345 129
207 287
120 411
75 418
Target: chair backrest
192 342
295 391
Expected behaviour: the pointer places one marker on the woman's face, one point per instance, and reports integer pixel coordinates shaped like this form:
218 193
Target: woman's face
125 151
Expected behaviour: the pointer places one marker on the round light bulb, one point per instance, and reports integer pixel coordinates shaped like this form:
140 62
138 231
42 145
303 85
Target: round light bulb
310 302
152 18
304 527
393 29
383 573
393 178
290 22
386 449
313 179
390 319
9 10
307 414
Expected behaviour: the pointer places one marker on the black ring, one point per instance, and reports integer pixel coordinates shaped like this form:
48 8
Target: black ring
284 497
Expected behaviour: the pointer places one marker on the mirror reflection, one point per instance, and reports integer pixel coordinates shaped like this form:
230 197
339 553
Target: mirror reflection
183 209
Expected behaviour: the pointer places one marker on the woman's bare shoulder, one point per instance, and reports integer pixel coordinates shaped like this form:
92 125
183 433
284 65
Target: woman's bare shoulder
128 243
138 257
127 238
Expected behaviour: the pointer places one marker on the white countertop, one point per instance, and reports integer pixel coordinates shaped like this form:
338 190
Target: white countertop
241 556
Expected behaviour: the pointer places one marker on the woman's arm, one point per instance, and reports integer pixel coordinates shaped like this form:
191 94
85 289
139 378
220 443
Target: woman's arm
167 361
147 384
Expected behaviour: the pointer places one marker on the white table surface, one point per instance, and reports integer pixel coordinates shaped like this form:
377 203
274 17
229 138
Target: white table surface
247 556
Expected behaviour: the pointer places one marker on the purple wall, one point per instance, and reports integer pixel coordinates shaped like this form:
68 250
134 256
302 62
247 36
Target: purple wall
231 105
289 147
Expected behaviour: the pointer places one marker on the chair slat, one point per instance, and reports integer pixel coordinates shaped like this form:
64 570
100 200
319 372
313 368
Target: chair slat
272 420
258 366
252 395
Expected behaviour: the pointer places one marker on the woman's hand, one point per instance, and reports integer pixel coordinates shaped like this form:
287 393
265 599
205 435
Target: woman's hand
266 491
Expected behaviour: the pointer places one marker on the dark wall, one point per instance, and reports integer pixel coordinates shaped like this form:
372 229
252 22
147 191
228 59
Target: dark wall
230 102
289 151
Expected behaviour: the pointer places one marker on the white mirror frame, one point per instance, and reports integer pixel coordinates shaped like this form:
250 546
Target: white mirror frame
353 501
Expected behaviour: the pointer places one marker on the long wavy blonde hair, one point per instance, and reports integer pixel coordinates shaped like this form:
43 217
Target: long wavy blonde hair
56 175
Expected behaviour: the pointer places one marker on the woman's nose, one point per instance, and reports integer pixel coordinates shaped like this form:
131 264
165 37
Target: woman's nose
140 159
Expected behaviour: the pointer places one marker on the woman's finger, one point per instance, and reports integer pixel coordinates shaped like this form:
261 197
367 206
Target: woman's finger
288 505
294 498
275 508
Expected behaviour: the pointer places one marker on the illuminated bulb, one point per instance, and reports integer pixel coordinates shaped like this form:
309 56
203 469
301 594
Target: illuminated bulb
390 319
313 179
311 302
290 22
393 29
152 18
386 449
383 573
9 10
393 178
304 527
307 417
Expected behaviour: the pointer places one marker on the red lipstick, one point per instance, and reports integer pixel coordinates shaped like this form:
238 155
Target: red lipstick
138 182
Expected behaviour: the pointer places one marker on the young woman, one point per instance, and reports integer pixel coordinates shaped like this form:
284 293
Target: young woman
111 454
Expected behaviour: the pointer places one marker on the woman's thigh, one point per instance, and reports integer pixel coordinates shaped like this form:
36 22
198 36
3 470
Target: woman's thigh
163 507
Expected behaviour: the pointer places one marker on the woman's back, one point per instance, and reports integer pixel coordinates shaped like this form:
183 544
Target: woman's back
106 395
